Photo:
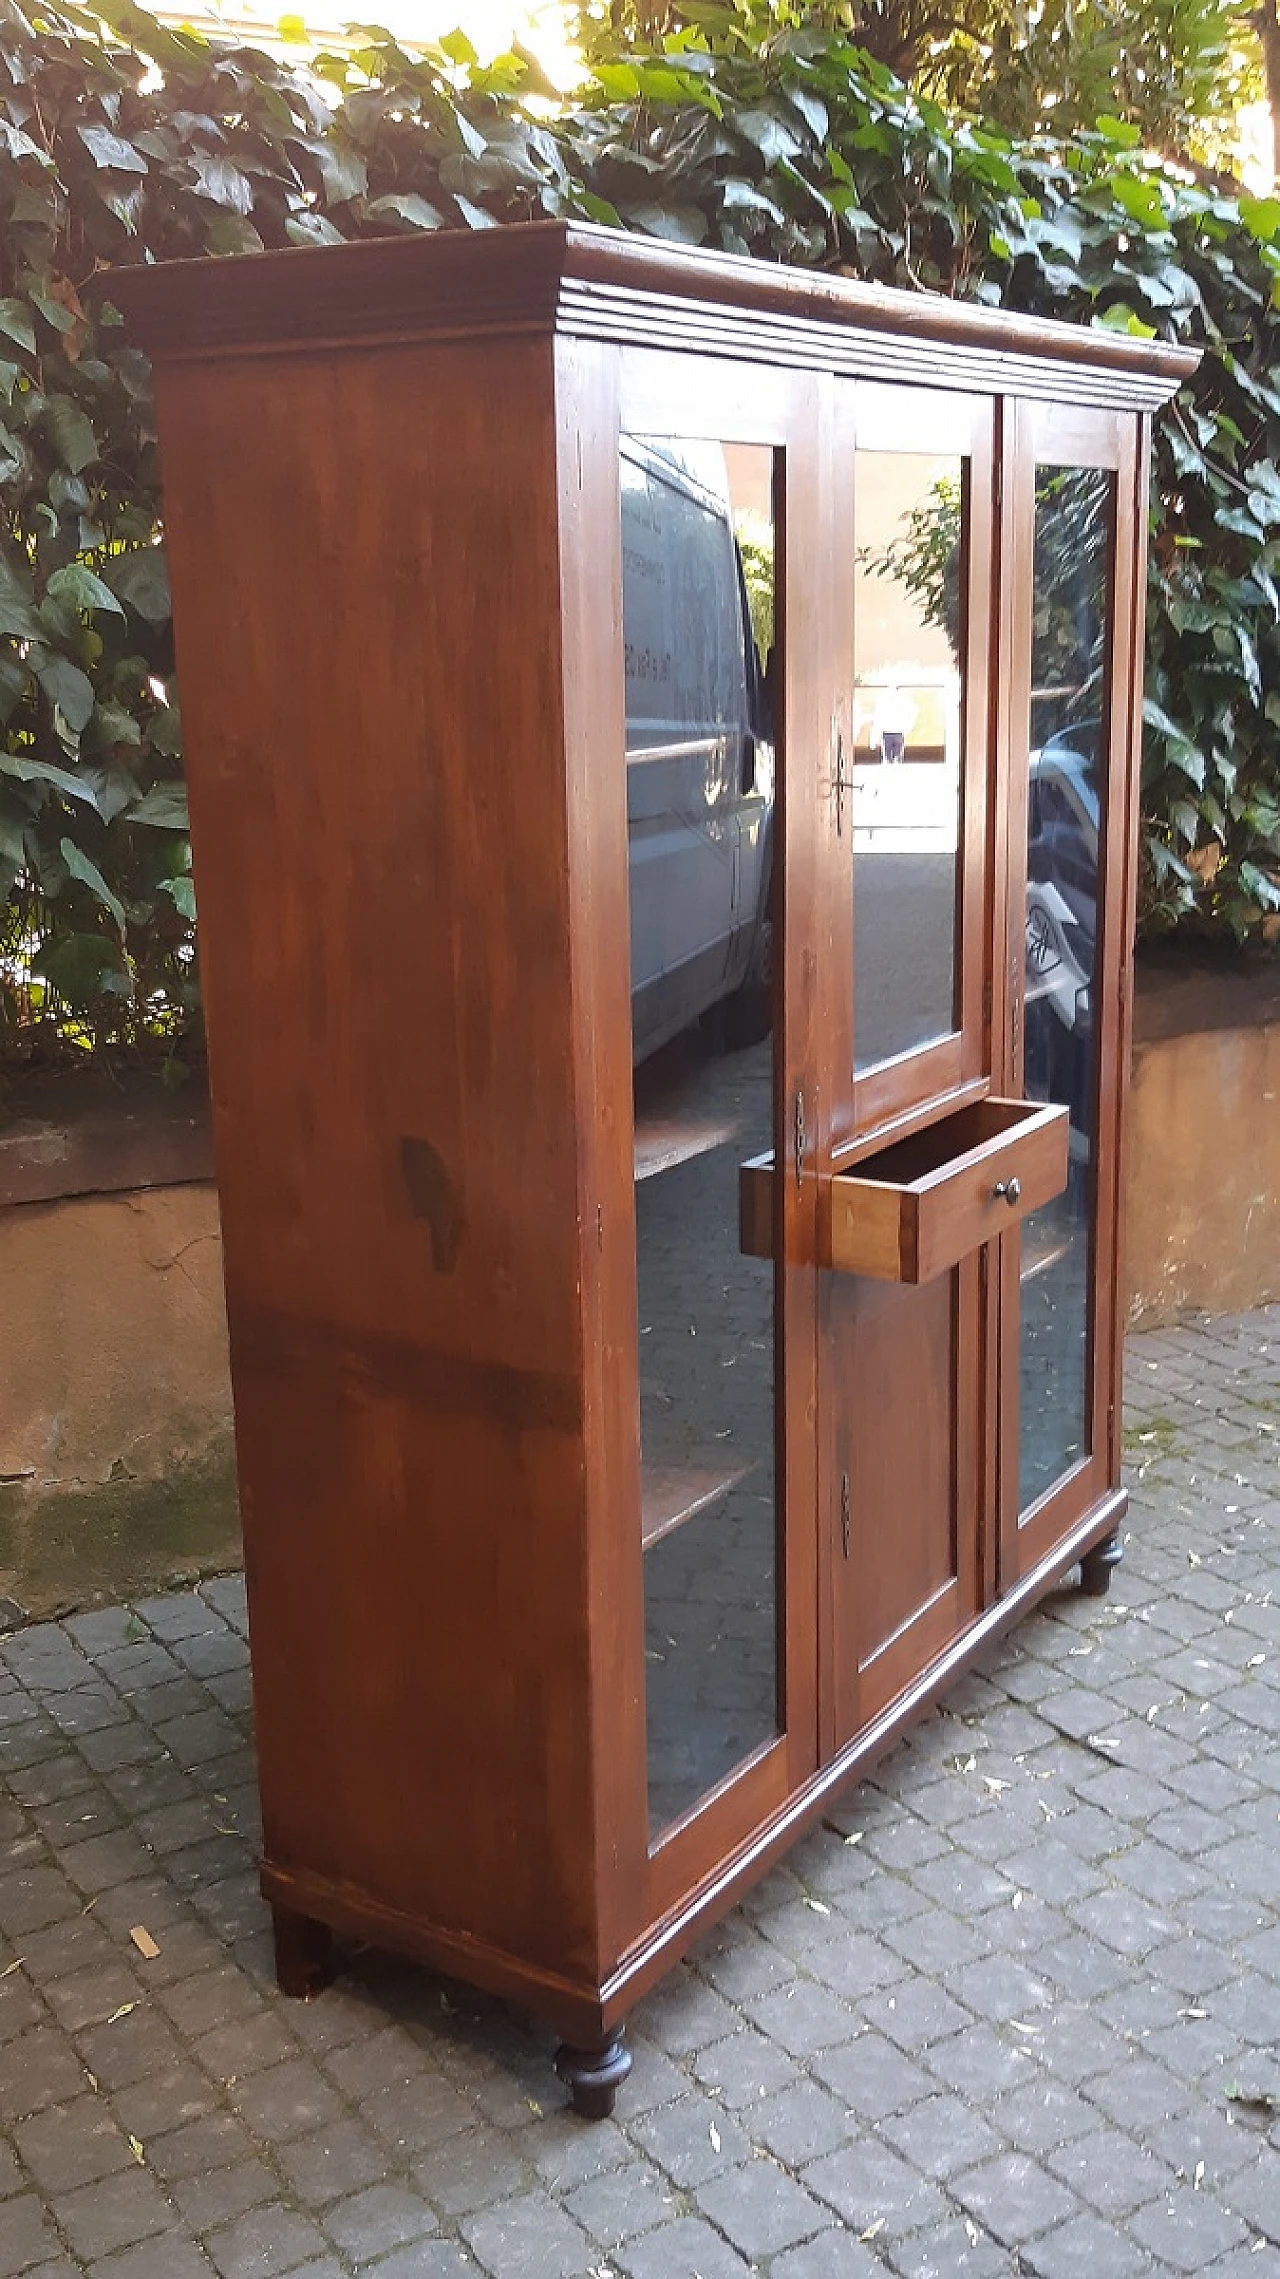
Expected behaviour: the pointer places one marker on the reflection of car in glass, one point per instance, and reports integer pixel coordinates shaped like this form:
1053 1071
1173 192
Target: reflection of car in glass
1062 888
699 759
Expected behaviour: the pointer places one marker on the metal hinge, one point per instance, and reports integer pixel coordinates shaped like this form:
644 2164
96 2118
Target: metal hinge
799 1134
844 1513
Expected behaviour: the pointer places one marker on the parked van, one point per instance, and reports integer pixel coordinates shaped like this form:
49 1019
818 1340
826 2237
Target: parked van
699 756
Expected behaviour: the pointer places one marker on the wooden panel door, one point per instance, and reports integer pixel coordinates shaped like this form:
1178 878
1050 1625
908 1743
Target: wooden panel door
1072 634
905 851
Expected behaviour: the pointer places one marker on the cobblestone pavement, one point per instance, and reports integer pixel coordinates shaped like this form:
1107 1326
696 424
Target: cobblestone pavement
1015 2009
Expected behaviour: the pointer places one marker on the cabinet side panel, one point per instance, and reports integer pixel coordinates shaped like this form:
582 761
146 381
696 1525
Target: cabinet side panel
367 597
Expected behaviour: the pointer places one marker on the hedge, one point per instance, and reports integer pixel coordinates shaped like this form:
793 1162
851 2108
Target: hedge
123 141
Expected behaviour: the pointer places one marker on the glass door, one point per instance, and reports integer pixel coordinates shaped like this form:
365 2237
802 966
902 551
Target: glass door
1070 740
905 855
910 758
711 725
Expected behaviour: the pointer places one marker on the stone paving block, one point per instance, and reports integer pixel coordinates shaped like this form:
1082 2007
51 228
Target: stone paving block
832 2255
692 2139
225 2193
872 2076
466 2170
803 2016
428 2259
370 2223
1111 2172
26 2235
117 2211
623 2202
1186 2231
163 2101
68 2145
169 2256
529 2237
942 2134
263 2243
760 2208
1085 2248
744 2069
339 2157
867 2185
687 2249
1014 2198
801 2122
955 2249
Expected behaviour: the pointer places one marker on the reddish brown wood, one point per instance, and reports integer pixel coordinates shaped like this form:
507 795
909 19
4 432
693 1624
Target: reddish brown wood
921 1205
575 278
392 504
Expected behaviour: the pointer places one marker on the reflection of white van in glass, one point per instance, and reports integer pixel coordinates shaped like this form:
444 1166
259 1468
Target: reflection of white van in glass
699 762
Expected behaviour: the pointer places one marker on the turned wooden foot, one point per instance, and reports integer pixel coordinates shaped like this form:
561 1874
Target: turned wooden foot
1098 1566
595 2076
304 1954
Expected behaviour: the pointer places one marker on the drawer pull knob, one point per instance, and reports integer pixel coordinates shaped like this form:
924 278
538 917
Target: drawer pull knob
1008 1191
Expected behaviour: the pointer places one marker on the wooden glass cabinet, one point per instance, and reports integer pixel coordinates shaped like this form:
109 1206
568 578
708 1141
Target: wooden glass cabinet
662 741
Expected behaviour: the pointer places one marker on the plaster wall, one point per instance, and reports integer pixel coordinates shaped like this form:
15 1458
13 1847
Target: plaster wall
116 1457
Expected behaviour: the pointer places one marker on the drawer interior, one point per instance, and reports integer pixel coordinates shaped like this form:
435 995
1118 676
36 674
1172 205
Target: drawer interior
905 1162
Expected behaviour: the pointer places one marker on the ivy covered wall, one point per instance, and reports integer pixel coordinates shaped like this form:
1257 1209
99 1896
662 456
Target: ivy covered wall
123 141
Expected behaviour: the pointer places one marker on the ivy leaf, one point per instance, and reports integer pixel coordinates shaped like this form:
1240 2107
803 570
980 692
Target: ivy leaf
231 233
77 583
23 770
111 151
66 686
307 228
407 206
164 807
15 323
219 180
73 437
141 579
182 892
342 169
88 873
17 601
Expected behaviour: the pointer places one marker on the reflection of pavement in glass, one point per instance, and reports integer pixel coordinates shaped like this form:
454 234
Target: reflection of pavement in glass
1053 1384
707 1416
904 929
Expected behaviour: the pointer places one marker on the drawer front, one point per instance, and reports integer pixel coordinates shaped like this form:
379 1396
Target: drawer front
922 1206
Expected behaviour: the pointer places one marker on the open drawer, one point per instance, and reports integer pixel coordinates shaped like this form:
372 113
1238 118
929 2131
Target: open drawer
918 1206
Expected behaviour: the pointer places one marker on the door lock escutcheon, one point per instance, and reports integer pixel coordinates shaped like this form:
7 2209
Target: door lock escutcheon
843 782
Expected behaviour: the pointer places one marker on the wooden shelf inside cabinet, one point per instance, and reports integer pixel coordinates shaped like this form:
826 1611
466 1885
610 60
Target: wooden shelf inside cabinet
674 1493
922 1204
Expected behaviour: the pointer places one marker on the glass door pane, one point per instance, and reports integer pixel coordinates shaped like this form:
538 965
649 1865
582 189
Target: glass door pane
910 637
1066 793
698 603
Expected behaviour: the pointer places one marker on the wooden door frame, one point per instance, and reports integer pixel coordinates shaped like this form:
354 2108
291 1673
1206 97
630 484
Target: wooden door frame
873 415
656 391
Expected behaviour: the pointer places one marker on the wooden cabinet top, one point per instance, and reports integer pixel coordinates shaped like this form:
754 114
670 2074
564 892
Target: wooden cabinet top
576 279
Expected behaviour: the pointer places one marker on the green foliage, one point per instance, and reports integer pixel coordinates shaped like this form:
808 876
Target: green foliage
123 141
